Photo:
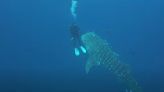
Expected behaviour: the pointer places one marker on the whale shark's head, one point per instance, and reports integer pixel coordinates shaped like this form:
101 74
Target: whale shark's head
91 41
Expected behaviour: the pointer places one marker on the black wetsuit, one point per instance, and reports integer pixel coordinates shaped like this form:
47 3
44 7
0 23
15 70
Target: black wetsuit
75 35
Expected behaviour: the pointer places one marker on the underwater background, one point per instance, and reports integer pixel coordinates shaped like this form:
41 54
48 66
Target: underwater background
36 54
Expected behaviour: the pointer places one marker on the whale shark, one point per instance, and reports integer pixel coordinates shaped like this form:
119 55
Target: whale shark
100 53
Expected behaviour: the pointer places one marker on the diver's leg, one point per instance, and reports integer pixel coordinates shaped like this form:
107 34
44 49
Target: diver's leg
76 50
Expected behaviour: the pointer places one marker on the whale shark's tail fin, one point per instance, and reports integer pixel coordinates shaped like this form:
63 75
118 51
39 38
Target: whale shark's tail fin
100 53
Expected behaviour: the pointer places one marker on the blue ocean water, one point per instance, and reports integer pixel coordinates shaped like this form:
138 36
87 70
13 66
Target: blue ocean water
36 54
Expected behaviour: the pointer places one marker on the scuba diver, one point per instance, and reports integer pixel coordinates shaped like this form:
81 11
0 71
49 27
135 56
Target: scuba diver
76 39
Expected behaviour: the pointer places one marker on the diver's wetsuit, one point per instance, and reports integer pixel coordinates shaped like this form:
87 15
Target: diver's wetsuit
75 35
76 39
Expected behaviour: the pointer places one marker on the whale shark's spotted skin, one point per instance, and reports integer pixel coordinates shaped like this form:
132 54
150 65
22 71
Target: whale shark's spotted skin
100 53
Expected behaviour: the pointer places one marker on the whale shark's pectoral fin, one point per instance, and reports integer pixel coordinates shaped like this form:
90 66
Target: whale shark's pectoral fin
88 66
128 90
90 63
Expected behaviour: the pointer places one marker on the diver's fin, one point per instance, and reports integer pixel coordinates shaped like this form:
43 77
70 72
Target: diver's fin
77 53
83 49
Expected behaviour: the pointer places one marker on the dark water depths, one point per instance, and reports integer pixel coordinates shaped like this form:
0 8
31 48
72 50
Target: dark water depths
36 54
